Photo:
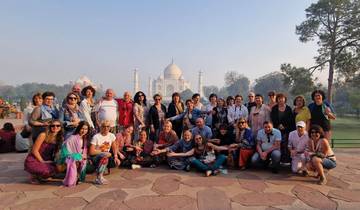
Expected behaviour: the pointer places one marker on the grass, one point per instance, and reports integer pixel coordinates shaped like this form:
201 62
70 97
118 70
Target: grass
346 128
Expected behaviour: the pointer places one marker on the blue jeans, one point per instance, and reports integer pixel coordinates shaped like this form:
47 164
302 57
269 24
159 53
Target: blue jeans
220 159
274 156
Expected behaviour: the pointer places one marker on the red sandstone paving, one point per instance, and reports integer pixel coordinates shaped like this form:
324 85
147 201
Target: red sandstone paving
336 182
209 182
28 187
263 199
138 183
98 204
166 184
351 178
213 199
160 202
116 205
313 198
10 198
66 191
251 182
51 204
345 195
131 174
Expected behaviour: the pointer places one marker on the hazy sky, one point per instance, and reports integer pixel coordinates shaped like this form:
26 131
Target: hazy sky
58 41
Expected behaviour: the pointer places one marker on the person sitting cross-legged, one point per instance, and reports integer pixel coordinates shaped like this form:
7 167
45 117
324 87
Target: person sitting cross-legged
268 147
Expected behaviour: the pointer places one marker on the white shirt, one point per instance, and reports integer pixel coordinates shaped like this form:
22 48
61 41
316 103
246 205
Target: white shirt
86 109
297 142
208 119
237 112
21 143
107 110
27 114
103 143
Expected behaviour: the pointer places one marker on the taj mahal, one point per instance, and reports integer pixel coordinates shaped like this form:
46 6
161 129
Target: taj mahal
169 81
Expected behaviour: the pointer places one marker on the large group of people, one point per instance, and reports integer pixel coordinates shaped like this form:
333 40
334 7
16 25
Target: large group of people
87 135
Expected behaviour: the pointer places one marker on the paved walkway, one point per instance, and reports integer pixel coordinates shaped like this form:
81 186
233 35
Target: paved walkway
166 189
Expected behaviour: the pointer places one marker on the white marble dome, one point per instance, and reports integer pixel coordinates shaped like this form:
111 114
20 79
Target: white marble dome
172 71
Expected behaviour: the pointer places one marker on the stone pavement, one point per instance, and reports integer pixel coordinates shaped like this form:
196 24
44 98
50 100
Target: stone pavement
166 189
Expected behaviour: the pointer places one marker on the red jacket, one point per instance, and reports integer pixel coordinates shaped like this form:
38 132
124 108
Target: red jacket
126 114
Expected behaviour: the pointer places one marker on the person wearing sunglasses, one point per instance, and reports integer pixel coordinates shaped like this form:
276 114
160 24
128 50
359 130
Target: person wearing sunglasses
141 111
244 143
70 114
43 114
40 163
268 147
320 154
157 116
73 154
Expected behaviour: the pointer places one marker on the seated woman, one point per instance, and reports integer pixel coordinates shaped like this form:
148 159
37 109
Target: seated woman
205 159
320 153
99 151
73 153
244 144
167 136
178 154
7 138
40 163
124 142
141 156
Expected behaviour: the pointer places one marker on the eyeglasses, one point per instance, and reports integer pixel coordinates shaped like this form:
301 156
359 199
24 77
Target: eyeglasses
55 125
72 98
50 99
251 96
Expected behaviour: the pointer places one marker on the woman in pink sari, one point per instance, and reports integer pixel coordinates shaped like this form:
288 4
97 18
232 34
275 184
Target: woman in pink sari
74 155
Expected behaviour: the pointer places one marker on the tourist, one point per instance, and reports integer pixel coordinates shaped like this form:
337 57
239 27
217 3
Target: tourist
178 154
188 117
209 109
142 154
99 151
220 113
73 153
87 107
283 119
237 111
42 115
7 138
205 159
230 101
251 101
141 112
76 88
268 147
124 142
176 107
301 112
167 136
272 99
125 110
223 137
40 163
22 140
258 114
320 153
70 114
197 104
106 109
298 141
202 129
157 114
321 112
36 101
244 143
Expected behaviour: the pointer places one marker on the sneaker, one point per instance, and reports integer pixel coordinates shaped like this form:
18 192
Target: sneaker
208 173
101 181
98 181
217 171
135 166
322 181
223 171
187 168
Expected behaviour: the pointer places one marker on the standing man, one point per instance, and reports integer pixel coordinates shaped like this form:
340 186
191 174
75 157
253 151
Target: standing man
251 101
106 109
209 108
125 109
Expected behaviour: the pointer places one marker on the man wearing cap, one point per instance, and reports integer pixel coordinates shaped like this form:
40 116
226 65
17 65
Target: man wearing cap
298 140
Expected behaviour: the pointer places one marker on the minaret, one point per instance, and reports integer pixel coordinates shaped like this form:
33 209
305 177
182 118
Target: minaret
136 81
150 88
200 87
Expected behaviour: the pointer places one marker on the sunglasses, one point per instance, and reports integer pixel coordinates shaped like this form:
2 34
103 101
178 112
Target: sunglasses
55 125
72 98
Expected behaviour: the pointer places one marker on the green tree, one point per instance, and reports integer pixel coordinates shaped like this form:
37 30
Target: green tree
336 26
299 80
354 99
236 83
186 94
272 81
210 89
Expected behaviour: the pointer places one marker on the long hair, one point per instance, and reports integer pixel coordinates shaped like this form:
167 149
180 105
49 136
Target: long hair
79 127
59 138
137 96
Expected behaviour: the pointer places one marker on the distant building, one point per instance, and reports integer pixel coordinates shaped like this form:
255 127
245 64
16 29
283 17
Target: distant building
84 81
